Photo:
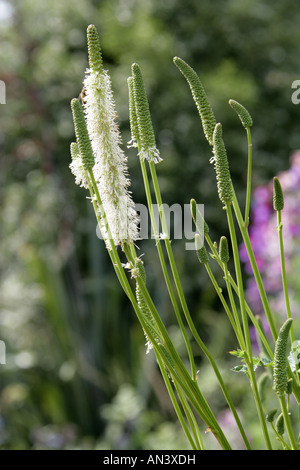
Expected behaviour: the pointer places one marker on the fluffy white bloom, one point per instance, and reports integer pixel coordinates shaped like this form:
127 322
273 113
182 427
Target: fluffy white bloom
110 169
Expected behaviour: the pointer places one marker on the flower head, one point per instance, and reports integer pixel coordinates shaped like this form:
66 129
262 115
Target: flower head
221 166
110 169
199 95
148 150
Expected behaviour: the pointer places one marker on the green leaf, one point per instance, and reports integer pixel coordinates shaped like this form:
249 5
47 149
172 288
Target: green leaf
294 356
241 368
238 353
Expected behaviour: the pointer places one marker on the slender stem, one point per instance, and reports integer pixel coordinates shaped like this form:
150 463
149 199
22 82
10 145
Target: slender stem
233 305
191 419
288 423
249 171
175 404
280 438
198 401
238 333
249 360
283 273
184 304
255 269
188 385
262 292
239 281
164 268
215 255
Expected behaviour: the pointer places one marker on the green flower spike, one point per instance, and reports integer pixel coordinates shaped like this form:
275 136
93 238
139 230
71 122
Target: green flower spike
200 223
278 200
201 250
132 116
94 49
242 112
223 250
148 149
221 166
82 136
280 359
139 271
199 95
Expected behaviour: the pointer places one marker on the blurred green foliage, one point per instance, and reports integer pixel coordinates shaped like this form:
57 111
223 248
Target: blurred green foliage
72 340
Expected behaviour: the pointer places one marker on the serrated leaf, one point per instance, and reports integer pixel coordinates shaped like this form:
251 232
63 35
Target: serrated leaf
261 361
238 353
240 369
266 362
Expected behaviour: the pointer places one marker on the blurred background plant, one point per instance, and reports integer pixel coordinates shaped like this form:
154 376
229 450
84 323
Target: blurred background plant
76 374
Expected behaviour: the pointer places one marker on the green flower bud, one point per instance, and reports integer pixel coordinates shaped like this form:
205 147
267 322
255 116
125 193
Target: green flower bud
148 150
280 359
201 250
278 200
221 166
279 425
242 112
223 250
94 49
200 98
271 415
82 135
197 218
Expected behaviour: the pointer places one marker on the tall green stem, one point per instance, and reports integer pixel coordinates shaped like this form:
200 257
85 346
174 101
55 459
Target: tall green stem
164 268
184 304
288 423
246 239
249 172
283 273
246 327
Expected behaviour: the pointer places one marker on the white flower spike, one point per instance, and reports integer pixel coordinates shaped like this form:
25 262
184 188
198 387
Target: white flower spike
110 169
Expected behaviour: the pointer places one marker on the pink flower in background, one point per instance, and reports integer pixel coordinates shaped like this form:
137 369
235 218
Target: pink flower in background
264 238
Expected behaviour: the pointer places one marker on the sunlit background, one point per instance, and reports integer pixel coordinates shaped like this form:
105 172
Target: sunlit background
76 373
